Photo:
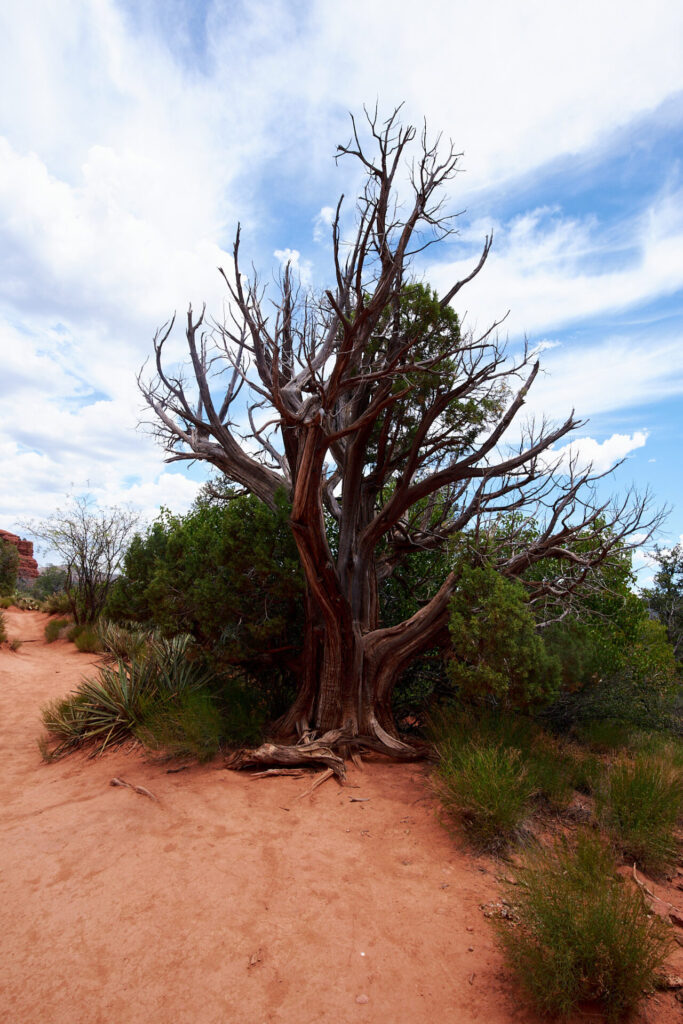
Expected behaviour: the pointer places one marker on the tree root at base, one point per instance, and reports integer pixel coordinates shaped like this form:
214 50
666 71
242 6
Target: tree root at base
320 751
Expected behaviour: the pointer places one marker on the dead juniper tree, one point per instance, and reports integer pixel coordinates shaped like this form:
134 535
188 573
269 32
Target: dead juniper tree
391 430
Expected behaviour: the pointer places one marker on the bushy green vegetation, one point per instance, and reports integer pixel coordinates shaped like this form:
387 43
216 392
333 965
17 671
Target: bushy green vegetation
57 604
9 565
496 768
52 580
488 788
3 629
640 803
163 695
228 573
581 933
54 628
87 640
497 650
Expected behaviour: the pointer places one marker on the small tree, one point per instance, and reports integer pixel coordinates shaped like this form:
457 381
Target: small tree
665 596
390 430
91 543
9 566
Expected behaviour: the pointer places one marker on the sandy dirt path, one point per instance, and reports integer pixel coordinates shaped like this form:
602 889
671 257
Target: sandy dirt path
228 901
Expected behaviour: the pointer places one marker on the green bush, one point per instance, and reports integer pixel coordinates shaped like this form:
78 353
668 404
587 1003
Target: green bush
53 628
3 629
161 697
488 788
5 602
57 604
87 640
550 765
581 933
15 645
51 582
496 646
9 566
189 727
640 804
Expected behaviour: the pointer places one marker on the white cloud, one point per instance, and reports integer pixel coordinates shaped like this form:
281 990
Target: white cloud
123 171
601 456
322 223
550 271
292 258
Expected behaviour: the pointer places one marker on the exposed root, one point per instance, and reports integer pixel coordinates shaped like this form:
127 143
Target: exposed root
327 774
309 752
328 750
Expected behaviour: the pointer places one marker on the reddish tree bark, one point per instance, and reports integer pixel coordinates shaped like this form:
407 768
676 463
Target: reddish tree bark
386 420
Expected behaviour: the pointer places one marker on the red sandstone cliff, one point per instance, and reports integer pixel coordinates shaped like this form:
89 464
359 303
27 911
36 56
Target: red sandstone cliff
28 567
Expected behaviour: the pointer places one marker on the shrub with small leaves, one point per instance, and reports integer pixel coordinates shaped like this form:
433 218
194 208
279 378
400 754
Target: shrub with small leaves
640 804
488 788
580 933
54 628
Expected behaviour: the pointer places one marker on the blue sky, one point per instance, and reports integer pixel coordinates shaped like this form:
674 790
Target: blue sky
134 135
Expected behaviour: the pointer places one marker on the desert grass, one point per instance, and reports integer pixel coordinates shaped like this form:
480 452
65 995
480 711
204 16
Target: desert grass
580 933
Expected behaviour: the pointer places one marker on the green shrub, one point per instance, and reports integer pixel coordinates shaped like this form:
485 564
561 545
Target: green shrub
53 628
15 645
5 602
115 704
605 736
497 648
549 764
87 640
640 804
581 933
488 788
9 565
57 604
188 727
3 629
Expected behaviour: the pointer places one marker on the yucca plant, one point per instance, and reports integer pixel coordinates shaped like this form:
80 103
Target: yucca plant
114 705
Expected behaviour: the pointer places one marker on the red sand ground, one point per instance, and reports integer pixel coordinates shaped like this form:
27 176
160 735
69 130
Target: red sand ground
229 901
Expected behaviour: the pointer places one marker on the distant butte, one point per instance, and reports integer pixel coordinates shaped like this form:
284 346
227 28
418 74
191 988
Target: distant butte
28 567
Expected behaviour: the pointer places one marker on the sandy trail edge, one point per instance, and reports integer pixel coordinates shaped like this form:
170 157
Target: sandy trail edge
217 904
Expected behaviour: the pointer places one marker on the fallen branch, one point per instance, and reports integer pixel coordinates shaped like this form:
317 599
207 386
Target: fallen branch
142 790
641 883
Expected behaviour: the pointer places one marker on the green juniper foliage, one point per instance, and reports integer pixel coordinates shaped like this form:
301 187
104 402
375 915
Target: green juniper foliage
497 650
9 566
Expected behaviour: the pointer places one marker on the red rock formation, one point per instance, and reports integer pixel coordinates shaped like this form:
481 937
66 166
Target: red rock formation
28 567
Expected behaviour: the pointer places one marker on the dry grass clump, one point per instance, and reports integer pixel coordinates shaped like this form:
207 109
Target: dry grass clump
580 933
